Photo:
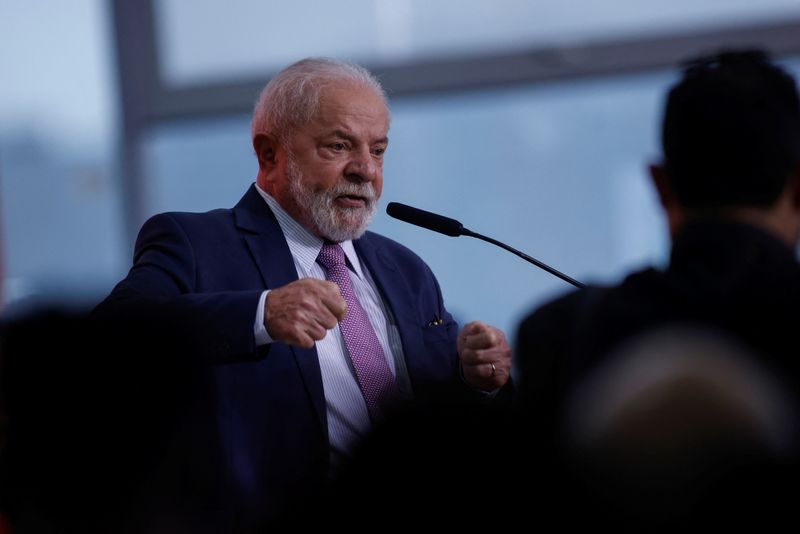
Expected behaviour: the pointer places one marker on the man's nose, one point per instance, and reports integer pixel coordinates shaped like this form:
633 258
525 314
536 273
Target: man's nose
363 167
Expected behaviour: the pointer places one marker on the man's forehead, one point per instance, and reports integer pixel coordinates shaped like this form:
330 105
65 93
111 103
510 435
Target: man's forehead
340 92
347 111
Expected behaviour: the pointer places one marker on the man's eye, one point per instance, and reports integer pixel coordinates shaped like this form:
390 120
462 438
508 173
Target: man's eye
337 146
379 150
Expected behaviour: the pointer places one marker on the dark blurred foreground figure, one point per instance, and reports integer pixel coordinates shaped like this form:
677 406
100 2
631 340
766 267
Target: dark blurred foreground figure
446 465
729 185
681 427
108 427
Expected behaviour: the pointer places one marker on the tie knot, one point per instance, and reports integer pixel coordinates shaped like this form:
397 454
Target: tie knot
331 256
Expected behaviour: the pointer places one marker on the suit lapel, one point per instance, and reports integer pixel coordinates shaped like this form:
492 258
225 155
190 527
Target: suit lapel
265 240
398 295
272 256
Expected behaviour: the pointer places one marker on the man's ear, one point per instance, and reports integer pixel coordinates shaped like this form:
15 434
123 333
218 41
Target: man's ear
265 147
660 181
673 210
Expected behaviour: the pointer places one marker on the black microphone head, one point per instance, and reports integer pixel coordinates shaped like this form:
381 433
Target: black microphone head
425 219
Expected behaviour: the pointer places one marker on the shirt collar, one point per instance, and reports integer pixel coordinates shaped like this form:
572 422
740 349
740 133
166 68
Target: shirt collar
304 245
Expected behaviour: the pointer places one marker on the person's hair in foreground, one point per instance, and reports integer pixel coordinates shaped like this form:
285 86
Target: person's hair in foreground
731 132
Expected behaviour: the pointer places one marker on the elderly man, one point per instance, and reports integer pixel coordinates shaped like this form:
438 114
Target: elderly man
316 326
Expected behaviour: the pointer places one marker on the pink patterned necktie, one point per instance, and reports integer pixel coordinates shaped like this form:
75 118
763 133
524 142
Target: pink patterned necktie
372 371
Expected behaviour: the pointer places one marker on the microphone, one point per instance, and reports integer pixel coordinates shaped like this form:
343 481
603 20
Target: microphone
453 228
425 219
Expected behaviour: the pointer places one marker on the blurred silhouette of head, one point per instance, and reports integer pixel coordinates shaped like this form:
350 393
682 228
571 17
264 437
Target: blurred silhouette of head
731 132
683 423
678 387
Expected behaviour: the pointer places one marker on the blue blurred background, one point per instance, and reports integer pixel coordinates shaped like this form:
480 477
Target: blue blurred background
532 122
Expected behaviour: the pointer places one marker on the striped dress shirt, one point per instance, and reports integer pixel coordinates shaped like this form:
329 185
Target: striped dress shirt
348 418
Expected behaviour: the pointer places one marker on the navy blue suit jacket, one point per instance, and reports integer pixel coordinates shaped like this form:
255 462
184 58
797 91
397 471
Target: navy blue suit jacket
269 401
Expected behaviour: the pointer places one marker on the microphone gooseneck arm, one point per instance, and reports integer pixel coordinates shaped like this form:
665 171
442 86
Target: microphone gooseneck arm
453 228
525 257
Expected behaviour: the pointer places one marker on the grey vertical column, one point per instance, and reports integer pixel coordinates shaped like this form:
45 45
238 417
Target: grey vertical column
139 86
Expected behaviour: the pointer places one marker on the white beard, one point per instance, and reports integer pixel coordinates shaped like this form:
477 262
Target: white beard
331 221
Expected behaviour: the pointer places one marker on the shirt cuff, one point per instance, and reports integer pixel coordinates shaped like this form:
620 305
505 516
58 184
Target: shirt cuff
260 333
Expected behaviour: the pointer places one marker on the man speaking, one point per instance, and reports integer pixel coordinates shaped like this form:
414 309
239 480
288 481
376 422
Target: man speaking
315 326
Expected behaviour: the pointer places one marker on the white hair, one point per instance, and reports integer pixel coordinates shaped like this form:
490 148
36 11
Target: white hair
292 97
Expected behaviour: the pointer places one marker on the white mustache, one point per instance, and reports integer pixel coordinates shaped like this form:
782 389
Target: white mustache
346 188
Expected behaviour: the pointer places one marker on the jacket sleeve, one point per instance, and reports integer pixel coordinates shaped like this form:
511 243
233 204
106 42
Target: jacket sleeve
162 284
